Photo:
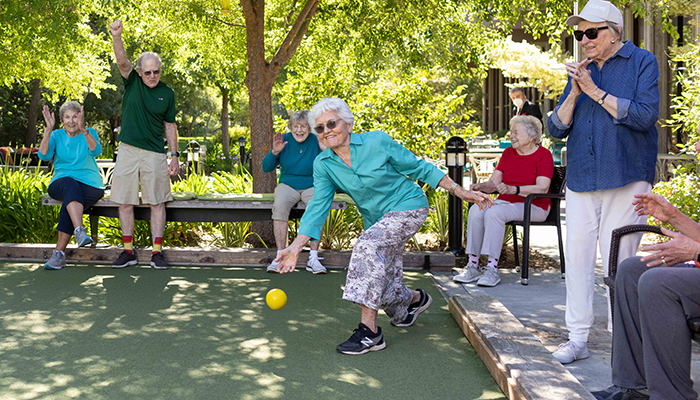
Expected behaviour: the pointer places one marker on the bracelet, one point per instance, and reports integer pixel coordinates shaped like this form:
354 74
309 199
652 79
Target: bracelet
517 190
452 188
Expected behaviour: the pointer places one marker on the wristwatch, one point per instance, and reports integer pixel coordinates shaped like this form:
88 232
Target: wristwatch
175 154
602 99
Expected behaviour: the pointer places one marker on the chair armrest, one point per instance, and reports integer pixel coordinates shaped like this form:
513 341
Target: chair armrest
617 234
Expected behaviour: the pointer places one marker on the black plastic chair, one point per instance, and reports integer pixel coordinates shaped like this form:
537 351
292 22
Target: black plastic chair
556 194
617 234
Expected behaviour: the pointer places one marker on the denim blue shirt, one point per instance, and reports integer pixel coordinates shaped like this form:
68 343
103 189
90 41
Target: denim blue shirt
605 152
296 161
381 180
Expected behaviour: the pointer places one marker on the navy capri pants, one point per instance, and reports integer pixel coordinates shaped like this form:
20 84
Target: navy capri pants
68 190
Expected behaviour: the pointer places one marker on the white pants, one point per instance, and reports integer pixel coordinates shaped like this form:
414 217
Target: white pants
590 220
485 228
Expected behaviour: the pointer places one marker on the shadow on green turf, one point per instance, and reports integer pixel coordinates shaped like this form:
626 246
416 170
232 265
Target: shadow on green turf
206 333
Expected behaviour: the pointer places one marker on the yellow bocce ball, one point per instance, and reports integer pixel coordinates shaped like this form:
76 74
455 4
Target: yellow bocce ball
276 299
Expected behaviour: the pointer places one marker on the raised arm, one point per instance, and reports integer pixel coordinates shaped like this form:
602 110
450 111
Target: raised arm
123 63
44 145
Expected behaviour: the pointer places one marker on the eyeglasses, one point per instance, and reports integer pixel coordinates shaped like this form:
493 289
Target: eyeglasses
591 33
330 124
154 72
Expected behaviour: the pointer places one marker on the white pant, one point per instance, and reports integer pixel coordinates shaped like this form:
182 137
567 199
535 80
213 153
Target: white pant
590 219
485 228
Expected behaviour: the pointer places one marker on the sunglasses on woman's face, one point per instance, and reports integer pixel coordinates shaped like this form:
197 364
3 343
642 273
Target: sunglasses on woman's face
330 124
590 33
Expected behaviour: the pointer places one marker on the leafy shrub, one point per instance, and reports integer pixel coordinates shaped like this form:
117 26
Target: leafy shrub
438 220
24 219
341 228
681 191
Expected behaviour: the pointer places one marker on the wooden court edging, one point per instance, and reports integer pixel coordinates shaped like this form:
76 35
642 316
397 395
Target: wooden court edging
520 364
216 256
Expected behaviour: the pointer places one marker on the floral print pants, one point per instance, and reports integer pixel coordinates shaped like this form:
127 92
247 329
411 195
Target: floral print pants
375 273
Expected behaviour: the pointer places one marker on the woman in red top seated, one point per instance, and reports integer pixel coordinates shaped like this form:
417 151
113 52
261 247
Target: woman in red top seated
524 168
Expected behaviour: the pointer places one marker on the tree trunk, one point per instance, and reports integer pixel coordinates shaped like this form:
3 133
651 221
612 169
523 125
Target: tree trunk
194 120
259 80
225 140
114 123
30 139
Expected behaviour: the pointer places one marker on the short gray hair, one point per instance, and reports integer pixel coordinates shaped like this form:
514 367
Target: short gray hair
532 124
299 116
517 89
333 104
619 29
147 55
69 105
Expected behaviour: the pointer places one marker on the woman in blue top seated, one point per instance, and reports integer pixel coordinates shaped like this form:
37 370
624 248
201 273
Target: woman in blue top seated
294 153
379 174
76 179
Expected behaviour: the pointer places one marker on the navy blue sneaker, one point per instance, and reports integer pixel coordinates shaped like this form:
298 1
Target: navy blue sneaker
362 341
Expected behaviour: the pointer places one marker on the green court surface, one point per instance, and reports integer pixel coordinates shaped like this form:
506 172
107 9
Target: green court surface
91 332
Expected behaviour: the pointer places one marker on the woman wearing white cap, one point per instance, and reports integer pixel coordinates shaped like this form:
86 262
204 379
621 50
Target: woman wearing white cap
608 112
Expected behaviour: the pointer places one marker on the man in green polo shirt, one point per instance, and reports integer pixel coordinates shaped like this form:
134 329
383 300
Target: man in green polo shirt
148 112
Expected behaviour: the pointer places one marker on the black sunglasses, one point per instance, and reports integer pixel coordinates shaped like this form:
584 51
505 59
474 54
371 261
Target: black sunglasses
154 72
591 33
330 124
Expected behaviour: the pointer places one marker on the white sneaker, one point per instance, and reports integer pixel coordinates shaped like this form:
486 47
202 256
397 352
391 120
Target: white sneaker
571 351
490 278
470 273
272 268
315 266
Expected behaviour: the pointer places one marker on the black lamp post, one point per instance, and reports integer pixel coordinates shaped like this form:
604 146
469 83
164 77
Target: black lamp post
455 157
241 151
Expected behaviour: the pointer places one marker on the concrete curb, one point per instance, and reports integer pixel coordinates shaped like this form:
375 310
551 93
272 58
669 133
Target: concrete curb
518 362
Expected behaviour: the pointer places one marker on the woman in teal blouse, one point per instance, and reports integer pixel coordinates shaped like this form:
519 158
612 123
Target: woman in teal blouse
294 153
76 180
379 174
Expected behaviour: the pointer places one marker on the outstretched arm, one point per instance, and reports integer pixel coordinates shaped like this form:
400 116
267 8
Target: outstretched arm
123 63
484 201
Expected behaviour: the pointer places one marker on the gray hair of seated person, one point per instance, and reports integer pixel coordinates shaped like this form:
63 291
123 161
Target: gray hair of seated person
69 105
532 124
147 55
298 116
332 104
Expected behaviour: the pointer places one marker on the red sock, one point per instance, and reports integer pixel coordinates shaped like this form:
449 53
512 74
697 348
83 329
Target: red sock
128 244
157 242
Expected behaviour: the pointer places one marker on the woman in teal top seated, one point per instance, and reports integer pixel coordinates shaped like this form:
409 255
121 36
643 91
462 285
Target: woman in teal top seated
76 178
379 174
294 153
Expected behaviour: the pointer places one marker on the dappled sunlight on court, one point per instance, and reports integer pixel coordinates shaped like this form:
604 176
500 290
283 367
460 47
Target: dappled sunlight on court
356 378
137 333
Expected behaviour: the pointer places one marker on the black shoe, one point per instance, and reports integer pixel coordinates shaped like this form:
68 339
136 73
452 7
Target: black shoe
158 261
125 259
416 309
362 341
619 393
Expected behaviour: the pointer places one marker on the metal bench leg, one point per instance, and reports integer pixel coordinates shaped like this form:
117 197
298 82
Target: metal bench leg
94 227
526 255
515 247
